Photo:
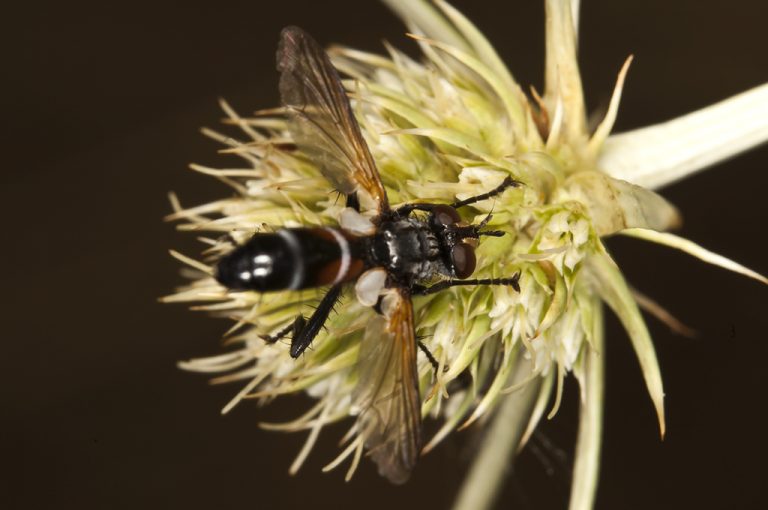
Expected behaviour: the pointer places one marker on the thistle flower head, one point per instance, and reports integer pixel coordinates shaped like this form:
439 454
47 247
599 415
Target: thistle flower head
447 126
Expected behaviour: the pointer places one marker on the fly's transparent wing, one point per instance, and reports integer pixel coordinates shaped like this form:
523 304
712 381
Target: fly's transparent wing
388 391
323 124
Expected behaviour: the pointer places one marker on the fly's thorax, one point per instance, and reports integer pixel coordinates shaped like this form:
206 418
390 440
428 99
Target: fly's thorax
409 249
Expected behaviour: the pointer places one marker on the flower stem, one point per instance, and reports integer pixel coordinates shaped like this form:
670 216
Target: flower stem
586 469
497 452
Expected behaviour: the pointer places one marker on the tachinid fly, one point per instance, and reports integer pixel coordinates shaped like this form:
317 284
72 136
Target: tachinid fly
390 257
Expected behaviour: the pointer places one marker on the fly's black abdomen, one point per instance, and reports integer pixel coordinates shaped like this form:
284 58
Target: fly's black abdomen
290 259
263 263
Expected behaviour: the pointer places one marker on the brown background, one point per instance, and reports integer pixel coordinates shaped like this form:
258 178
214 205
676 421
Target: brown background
101 106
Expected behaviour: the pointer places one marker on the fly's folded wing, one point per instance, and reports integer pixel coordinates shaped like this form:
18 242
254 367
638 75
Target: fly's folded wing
324 126
388 390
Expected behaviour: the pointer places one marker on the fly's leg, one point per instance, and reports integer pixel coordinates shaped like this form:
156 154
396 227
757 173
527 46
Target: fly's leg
431 357
405 210
508 182
295 327
513 282
305 332
353 202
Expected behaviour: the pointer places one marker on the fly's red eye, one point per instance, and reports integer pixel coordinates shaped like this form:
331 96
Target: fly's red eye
445 215
464 260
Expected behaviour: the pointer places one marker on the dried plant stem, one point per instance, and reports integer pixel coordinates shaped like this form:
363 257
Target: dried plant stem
494 460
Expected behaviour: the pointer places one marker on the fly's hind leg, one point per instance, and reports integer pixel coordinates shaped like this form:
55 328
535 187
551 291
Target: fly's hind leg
307 331
303 331
294 327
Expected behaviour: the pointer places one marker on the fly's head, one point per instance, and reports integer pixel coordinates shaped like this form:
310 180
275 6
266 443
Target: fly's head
458 239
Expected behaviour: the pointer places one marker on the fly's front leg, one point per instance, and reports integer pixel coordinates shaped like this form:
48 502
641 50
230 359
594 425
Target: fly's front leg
514 282
405 210
508 182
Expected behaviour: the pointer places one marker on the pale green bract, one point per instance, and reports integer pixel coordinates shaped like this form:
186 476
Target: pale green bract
452 125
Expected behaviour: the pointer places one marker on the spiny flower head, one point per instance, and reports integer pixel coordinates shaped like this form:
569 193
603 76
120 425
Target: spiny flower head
451 125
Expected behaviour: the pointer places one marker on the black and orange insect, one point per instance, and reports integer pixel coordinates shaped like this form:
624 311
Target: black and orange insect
388 258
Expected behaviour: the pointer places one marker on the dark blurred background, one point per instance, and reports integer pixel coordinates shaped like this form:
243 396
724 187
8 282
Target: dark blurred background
101 104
